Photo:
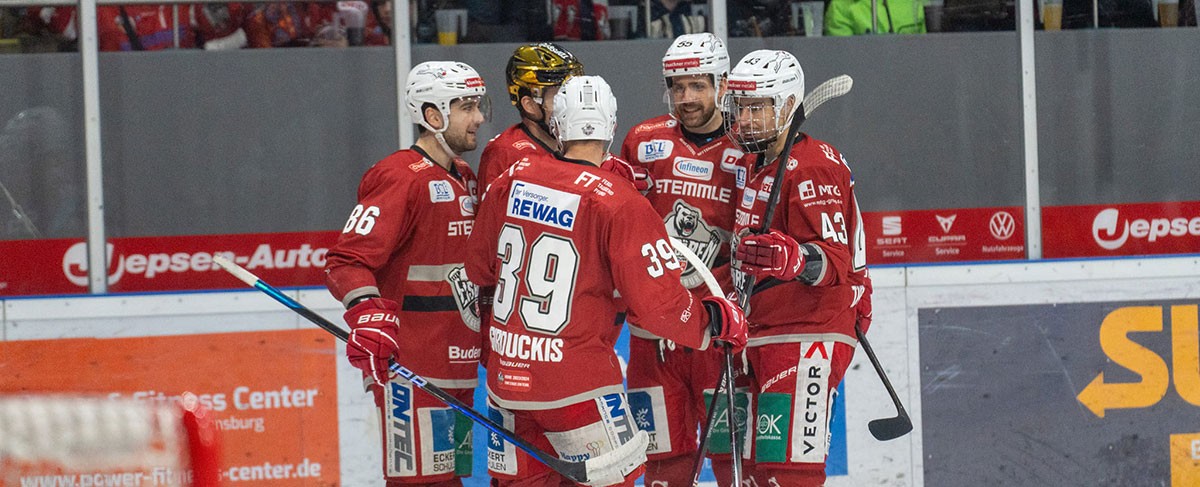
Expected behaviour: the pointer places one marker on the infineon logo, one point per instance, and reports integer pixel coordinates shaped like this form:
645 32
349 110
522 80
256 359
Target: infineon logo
543 205
1110 231
693 168
149 265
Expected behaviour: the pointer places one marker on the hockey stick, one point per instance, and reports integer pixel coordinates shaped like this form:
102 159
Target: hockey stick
723 383
830 89
602 470
885 429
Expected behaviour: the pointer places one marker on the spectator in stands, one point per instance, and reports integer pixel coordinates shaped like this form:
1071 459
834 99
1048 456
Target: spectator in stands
284 24
758 18
673 18
580 20
130 27
853 17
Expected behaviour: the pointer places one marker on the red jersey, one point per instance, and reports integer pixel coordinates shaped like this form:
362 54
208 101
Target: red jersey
568 20
505 149
154 25
557 237
817 206
694 189
404 242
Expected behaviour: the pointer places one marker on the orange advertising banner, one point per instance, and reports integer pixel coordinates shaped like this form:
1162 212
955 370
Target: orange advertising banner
273 394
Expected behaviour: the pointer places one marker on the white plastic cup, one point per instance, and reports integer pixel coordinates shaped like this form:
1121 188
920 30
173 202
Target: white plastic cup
1168 13
451 23
814 18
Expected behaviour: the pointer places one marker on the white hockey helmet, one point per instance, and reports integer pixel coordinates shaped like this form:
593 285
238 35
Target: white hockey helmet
584 109
774 75
440 83
689 54
702 53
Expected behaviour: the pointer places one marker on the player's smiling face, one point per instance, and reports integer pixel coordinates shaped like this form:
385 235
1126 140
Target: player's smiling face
466 115
693 99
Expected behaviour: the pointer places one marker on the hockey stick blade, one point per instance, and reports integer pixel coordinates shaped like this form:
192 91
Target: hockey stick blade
884 429
830 89
598 469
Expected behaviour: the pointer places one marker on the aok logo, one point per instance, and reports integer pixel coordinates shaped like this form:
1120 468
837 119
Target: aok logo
1156 377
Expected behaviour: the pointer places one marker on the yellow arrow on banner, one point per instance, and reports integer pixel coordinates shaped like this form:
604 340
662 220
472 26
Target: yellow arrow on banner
1099 396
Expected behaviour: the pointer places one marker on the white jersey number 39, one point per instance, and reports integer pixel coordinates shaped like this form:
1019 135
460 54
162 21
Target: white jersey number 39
553 264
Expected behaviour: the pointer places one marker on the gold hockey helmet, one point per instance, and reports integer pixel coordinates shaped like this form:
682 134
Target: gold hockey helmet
536 66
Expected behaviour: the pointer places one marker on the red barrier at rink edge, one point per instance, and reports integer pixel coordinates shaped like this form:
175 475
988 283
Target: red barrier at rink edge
945 235
1125 229
140 264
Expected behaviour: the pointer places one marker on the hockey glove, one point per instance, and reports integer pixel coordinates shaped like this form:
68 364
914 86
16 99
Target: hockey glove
727 322
374 328
772 254
863 308
635 174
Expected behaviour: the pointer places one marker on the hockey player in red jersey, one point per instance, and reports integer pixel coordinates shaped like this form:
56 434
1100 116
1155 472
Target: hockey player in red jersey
695 172
398 269
808 265
556 238
534 74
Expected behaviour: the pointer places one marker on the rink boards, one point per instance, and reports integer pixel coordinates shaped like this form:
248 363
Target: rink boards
1055 373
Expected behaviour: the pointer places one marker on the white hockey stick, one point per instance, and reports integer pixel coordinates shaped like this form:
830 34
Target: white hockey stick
601 470
701 268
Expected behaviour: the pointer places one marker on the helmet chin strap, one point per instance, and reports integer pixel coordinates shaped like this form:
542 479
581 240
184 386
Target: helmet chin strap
446 147
541 120
438 135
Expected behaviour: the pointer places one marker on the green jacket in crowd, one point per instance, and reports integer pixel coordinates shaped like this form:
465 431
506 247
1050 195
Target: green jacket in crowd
853 17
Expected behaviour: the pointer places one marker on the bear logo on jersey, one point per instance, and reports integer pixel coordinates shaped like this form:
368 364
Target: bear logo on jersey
466 294
686 223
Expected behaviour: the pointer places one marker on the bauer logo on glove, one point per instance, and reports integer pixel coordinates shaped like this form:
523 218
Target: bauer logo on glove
379 317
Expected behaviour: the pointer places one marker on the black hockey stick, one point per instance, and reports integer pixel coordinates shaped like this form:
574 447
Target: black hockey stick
830 89
724 383
604 468
885 429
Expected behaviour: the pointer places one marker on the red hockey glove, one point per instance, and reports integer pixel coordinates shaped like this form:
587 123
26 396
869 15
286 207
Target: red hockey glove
863 308
374 328
727 321
771 254
635 174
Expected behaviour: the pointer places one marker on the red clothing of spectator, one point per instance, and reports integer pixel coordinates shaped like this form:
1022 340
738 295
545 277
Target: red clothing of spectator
154 25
